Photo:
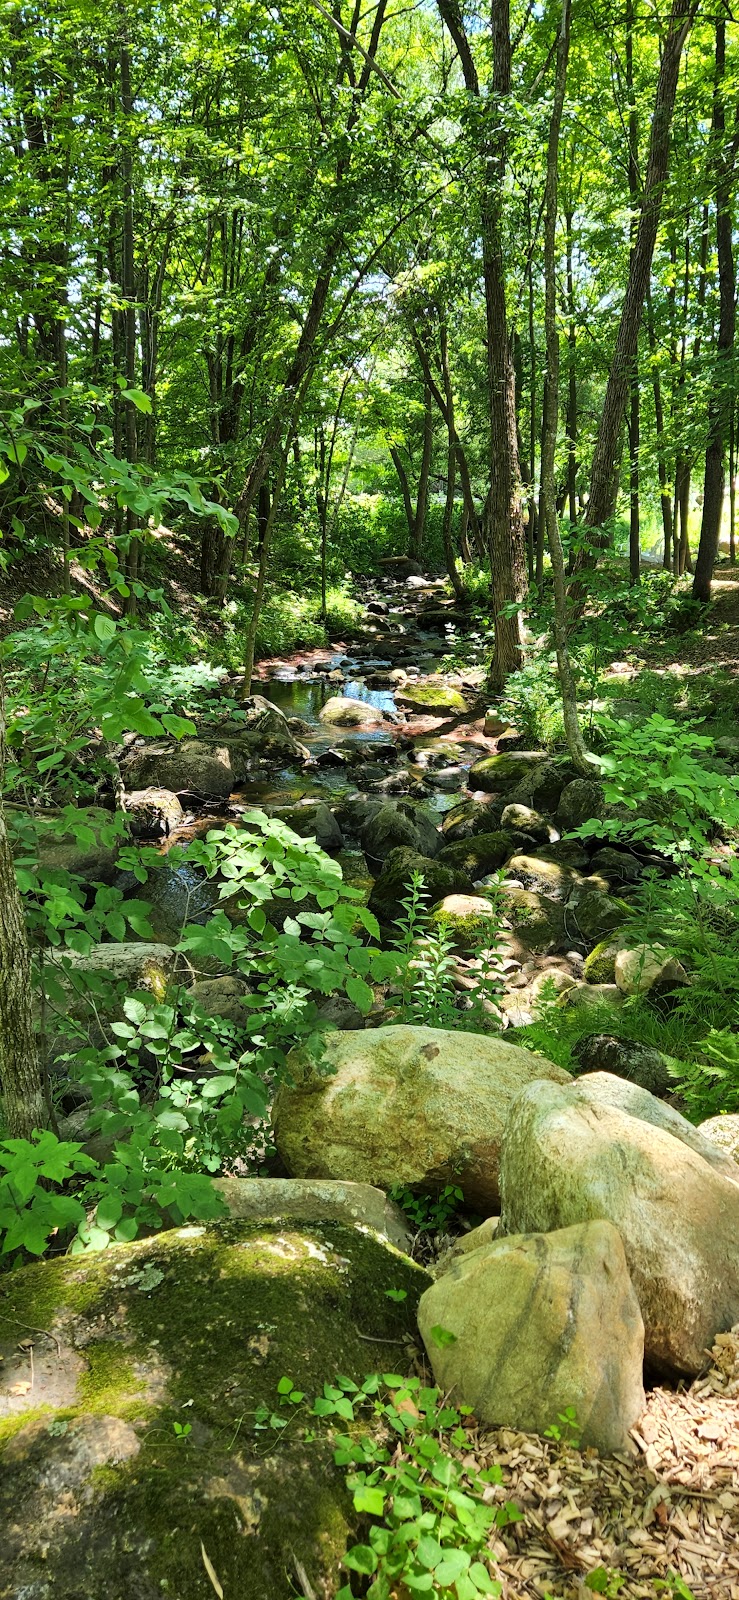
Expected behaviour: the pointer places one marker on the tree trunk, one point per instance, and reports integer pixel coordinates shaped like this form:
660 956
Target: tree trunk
604 471
732 483
571 376
422 500
551 409
659 426
128 291
449 557
23 1099
722 400
405 490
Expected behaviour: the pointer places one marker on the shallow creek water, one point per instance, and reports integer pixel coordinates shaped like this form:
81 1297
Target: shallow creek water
178 891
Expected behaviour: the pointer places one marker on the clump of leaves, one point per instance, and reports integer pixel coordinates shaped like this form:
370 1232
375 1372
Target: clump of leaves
429 1213
430 1521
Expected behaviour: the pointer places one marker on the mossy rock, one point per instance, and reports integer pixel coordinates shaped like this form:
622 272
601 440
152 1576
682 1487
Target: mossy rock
432 697
469 919
471 817
595 915
600 965
483 853
98 1496
505 770
392 886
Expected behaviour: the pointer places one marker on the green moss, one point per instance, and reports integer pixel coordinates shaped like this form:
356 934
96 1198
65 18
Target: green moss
432 697
198 1326
600 965
483 853
468 932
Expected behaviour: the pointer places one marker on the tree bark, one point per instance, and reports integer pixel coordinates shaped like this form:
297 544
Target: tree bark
551 409
604 471
422 498
722 399
23 1099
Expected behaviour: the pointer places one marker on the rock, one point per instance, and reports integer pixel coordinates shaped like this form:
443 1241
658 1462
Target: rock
150 968
223 997
596 914
339 712
484 1233
483 853
600 965
469 818
88 850
403 1105
538 920
152 812
391 887
541 1323
197 1326
569 852
723 1131
315 1200
468 918
192 767
604 1088
313 820
570 1158
262 731
494 724
432 698
617 865
594 995
524 820
579 801
645 969
337 1011
391 826
501 772
545 877
624 1058
386 678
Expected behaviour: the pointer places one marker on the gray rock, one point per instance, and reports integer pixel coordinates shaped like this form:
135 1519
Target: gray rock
391 827
313 820
152 812
579 801
542 1323
404 1105
193 767
392 885
570 1157
315 1200
624 1058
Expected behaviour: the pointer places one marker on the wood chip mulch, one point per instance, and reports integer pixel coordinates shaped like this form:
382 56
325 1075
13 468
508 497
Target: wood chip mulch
672 1508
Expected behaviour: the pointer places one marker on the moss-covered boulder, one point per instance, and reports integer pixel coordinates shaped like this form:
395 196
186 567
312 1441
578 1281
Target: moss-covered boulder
439 698
469 919
391 888
404 1105
196 766
483 853
545 877
88 848
504 771
471 817
539 922
600 965
100 1497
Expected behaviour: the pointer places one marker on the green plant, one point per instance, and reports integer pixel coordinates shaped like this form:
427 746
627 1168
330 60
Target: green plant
430 1527
710 1086
652 769
566 1430
429 1213
605 1580
427 968
32 1202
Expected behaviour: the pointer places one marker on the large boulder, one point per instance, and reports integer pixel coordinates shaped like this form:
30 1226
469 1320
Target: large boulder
392 826
224 998
647 969
539 922
258 733
569 1158
108 970
314 1200
483 853
432 698
544 877
505 771
403 1105
99 1495
311 819
470 920
624 1058
605 1088
541 1323
391 887
341 712
580 800
195 767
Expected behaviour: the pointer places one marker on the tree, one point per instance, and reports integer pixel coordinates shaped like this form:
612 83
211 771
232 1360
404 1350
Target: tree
23 1099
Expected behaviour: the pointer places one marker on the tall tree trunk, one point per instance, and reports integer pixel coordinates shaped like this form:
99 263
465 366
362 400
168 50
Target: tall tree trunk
422 499
405 490
604 471
722 398
551 408
24 1105
659 428
634 418
571 374
451 456
732 483
128 290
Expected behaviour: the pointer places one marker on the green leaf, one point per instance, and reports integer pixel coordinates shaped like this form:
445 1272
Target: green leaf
429 1552
442 1336
482 1580
360 1559
370 1500
360 993
179 727
138 399
285 1386
104 627
454 1564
